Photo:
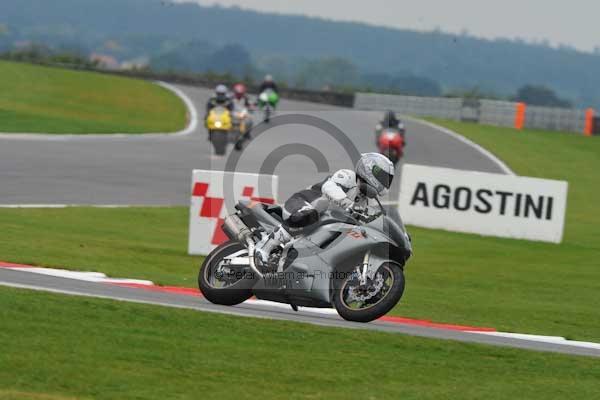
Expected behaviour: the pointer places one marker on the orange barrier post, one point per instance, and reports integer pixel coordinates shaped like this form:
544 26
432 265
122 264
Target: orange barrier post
520 115
588 130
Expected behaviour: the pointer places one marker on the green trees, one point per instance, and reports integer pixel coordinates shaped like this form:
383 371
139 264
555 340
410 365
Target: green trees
540 96
326 73
38 53
376 58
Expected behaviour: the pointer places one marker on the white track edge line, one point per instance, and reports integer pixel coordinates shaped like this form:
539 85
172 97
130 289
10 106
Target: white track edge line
543 339
113 297
501 164
233 311
192 112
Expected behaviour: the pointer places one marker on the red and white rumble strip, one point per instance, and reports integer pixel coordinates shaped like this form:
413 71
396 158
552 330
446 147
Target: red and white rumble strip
150 286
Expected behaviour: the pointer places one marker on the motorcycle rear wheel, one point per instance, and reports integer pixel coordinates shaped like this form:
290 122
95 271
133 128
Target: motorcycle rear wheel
208 278
370 311
392 155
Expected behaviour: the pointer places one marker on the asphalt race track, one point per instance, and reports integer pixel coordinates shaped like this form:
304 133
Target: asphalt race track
156 170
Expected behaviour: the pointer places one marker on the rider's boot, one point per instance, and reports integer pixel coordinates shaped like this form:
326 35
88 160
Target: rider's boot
277 238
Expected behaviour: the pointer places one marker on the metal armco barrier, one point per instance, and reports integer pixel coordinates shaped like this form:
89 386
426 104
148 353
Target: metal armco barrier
412 105
488 112
498 113
555 119
596 126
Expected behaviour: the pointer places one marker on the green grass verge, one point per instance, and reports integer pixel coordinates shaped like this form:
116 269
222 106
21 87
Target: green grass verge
60 347
565 156
148 243
51 100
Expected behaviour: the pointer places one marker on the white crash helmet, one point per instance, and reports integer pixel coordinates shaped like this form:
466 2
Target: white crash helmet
221 90
376 172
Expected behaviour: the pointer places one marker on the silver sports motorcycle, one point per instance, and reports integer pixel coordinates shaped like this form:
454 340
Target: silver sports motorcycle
349 260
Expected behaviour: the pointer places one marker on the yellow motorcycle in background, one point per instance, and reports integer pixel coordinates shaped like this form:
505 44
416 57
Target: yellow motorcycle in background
219 124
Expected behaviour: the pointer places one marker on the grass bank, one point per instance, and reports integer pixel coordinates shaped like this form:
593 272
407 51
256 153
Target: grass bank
60 347
50 100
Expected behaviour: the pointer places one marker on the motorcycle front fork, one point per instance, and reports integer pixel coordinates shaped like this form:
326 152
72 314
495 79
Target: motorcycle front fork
365 268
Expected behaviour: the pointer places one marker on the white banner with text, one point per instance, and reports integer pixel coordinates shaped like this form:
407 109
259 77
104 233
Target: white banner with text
482 203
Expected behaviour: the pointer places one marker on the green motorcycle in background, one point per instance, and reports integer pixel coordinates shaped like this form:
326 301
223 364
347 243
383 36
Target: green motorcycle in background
267 101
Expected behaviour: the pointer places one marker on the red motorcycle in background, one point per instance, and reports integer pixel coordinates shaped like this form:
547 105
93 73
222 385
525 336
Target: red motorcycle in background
391 142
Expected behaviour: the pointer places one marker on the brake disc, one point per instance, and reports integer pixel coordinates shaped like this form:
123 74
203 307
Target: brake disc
371 292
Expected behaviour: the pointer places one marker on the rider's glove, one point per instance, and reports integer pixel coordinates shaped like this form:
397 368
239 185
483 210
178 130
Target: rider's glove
345 203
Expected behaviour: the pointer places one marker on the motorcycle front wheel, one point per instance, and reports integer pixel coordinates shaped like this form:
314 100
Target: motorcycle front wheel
219 141
242 138
366 303
223 285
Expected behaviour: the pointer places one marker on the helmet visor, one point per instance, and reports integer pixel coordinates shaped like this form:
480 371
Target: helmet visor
382 176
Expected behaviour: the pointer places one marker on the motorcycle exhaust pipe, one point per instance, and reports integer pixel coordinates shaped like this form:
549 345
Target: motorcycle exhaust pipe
235 229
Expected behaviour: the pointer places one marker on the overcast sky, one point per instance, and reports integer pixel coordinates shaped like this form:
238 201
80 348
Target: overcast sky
574 22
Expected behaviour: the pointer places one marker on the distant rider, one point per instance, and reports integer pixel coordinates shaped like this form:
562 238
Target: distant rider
220 98
240 96
268 83
344 189
390 121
